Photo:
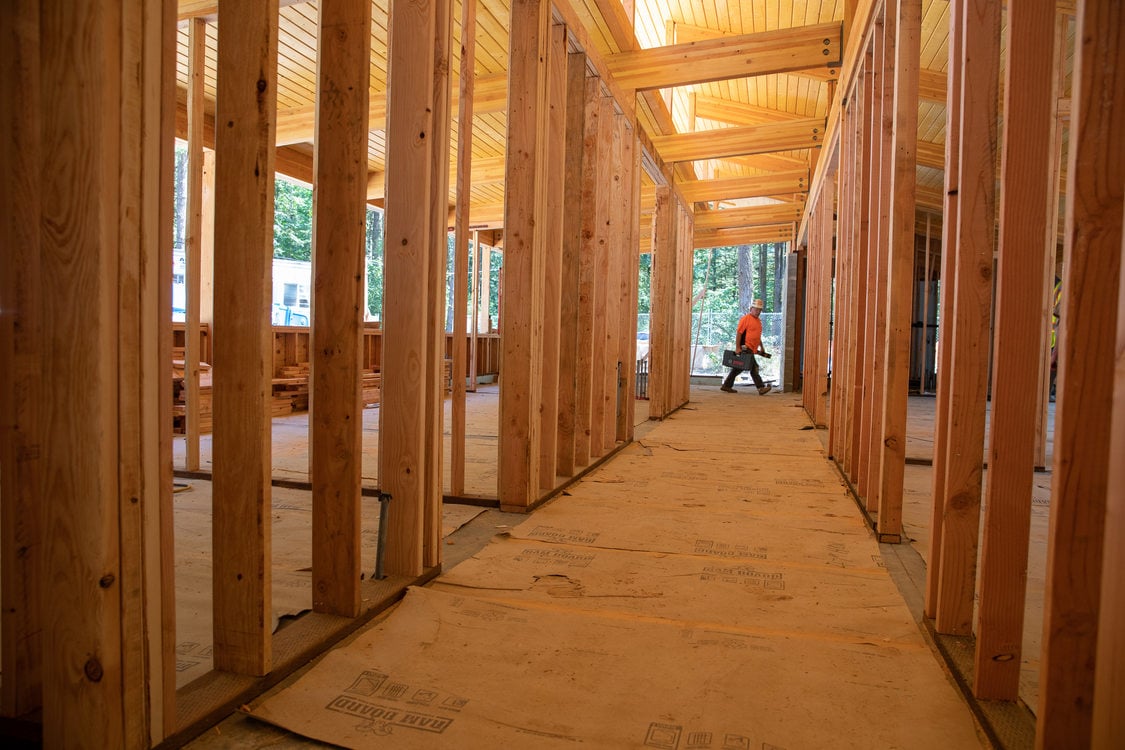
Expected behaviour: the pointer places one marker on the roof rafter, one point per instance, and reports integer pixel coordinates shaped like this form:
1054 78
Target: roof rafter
733 188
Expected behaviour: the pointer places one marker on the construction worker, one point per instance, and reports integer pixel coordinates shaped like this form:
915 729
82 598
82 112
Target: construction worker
749 342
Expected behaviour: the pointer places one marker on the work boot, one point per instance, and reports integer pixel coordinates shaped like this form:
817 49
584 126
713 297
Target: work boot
764 390
727 389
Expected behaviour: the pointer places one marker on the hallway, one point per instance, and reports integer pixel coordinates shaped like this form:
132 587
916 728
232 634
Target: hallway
686 595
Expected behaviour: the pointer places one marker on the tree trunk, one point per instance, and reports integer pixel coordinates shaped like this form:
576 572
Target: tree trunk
745 279
762 273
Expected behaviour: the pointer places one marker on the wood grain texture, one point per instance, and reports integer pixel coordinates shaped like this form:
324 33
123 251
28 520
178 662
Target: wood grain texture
243 366
80 223
1025 177
1109 688
900 270
950 223
584 356
824 304
861 286
193 236
660 325
882 108
522 302
339 231
738 141
464 180
631 169
763 53
555 167
21 348
970 314
433 373
570 302
778 183
1089 371
402 414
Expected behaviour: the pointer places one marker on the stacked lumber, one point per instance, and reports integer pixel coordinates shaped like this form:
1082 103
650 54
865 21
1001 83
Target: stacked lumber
371 386
291 386
179 393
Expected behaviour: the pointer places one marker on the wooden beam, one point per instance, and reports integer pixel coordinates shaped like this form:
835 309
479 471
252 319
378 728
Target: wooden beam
522 300
207 10
587 261
950 223
739 113
408 236
464 182
295 124
1090 370
747 217
571 302
1017 350
605 171
555 166
438 249
336 344
736 141
243 350
662 303
626 424
22 348
733 188
193 238
970 316
763 53
732 237
1108 721
900 271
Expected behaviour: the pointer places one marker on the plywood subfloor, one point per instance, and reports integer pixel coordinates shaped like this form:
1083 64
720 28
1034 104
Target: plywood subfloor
711 586
482 414
291 569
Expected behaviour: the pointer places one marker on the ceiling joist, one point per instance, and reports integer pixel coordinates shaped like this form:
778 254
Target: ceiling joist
733 188
752 216
738 141
781 51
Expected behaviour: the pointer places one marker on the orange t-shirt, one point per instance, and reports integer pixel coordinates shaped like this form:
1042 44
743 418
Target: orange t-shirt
749 332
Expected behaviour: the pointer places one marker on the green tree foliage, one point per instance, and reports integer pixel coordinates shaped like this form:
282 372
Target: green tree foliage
292 222
375 262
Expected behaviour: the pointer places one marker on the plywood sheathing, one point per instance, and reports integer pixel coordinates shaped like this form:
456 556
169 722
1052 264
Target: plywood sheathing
580 596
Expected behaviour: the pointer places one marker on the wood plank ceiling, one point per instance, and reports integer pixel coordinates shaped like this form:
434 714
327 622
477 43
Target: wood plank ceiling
783 100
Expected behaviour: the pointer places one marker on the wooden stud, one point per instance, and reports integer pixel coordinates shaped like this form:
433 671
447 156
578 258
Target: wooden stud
970 316
553 255
433 374
865 287
1084 421
584 358
570 302
613 298
336 339
21 348
950 224
631 168
660 325
406 319
521 316
872 281
861 288
461 246
900 270
243 356
824 304
193 237
1007 520
1109 692
600 387
1050 243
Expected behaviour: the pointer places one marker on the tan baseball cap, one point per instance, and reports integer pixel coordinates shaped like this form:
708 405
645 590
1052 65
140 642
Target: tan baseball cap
758 304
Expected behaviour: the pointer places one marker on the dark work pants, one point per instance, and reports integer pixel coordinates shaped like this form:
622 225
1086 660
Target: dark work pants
735 372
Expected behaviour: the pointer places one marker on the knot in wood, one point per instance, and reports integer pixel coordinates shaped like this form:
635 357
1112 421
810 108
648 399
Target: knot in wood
93 670
106 581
